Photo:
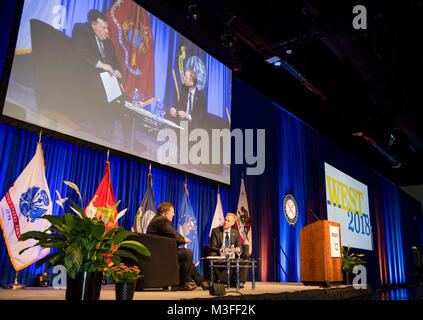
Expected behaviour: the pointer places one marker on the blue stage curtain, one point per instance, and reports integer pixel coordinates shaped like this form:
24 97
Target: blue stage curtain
219 92
295 156
162 36
85 167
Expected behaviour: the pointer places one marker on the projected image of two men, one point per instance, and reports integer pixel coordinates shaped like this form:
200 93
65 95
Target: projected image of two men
111 73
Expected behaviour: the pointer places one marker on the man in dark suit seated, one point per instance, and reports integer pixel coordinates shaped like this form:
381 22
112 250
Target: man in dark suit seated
162 225
192 104
95 54
224 237
92 43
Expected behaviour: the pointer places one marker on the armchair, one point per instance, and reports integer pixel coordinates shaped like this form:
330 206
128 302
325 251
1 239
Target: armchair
161 268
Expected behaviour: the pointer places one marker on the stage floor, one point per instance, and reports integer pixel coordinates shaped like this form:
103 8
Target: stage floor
263 291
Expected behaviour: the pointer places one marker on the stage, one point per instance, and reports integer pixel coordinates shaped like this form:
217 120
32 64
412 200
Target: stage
263 291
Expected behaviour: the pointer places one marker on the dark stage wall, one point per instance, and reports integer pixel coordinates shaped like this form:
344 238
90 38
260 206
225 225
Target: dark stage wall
295 154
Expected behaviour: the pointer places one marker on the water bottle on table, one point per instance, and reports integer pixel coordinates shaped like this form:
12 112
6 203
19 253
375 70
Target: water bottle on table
159 109
232 252
135 98
142 100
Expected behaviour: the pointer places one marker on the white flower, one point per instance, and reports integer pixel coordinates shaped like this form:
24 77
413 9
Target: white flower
91 211
60 201
120 214
74 187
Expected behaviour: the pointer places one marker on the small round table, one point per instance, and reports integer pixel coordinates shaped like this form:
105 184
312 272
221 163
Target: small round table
222 262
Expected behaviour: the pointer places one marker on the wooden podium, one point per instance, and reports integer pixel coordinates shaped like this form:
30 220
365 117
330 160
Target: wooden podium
320 253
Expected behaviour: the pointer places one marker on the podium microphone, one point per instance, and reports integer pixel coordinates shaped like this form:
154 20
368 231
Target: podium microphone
317 218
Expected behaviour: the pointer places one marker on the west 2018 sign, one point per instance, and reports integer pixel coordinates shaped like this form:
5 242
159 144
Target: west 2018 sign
348 204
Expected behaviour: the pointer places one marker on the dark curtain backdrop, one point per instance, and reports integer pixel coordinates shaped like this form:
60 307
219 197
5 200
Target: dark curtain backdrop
294 155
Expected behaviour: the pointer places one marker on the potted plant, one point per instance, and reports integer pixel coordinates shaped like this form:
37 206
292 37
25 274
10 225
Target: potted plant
349 261
125 278
84 246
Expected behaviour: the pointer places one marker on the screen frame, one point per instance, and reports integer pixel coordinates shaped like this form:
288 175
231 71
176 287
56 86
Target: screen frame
7 69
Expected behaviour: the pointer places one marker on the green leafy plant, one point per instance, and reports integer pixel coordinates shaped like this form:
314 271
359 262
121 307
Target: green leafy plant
125 274
350 260
83 243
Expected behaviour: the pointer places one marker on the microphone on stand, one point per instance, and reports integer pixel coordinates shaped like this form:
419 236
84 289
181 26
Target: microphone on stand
317 218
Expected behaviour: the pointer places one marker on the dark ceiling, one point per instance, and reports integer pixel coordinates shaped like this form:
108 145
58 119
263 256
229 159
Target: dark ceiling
361 88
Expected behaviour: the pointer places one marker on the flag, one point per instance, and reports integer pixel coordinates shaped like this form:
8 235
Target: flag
130 32
243 218
20 209
147 209
218 217
103 197
187 226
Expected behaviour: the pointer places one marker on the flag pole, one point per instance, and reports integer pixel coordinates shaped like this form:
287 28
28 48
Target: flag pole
108 151
186 205
39 138
16 284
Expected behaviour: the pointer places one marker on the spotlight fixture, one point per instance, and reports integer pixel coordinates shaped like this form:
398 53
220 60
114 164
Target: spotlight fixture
273 59
228 40
391 140
192 12
396 163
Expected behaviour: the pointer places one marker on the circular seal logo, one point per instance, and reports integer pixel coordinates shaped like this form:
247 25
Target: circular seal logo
199 68
33 202
290 208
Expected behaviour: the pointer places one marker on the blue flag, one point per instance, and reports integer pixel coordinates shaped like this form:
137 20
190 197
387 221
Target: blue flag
147 209
187 226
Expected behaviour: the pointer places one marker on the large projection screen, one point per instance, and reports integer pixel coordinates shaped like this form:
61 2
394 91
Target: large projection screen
111 73
348 204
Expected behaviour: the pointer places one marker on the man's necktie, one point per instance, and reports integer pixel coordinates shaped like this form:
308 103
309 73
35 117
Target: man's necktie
227 243
190 103
101 48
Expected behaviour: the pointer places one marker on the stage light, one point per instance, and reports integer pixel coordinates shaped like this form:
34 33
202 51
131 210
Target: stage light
386 152
228 40
289 51
193 14
273 59
391 140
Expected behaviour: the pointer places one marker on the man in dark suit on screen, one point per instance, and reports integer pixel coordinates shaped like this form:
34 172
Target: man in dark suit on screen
224 237
192 104
95 54
93 45
162 225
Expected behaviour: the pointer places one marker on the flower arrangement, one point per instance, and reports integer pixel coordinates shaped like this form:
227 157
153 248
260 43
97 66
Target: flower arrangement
89 243
124 274
350 260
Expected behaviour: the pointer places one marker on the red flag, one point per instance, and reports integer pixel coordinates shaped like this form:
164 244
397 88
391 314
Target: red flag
103 197
130 32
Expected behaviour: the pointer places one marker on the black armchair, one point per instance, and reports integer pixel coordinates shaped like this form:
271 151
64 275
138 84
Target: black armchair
161 268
